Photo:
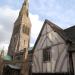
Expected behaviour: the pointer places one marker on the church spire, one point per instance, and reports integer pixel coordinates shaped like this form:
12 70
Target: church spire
21 32
24 9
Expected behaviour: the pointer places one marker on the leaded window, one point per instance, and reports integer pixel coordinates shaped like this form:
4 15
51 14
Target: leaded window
47 54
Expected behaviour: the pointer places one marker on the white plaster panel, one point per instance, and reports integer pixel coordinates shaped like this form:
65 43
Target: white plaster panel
40 42
55 52
52 37
61 47
49 29
61 58
40 58
53 64
44 44
58 37
44 67
49 43
48 67
65 65
36 62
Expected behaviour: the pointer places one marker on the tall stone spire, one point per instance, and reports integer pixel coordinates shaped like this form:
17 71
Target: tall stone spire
21 31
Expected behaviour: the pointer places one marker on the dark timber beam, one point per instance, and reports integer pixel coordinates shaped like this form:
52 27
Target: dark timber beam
71 64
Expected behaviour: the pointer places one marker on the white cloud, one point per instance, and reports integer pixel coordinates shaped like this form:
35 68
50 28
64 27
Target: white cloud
1 27
56 11
31 44
7 18
36 27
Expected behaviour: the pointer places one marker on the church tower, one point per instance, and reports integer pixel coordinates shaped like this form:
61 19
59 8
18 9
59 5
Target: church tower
21 31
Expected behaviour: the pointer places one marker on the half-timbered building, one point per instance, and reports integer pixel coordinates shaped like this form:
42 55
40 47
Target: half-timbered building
51 51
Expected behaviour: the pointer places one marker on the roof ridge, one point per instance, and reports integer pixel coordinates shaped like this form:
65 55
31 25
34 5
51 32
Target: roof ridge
70 27
53 24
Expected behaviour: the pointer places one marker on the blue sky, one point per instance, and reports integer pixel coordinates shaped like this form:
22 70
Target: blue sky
60 12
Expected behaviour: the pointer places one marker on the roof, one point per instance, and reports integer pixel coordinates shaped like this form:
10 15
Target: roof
56 28
72 47
70 32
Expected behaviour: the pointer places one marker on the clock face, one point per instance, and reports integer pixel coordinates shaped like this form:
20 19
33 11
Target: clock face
25 30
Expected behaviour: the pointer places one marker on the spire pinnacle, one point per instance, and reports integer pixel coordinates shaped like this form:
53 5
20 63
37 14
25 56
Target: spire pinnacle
25 7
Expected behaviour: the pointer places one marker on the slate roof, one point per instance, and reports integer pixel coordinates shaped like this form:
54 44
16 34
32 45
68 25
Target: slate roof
72 47
70 32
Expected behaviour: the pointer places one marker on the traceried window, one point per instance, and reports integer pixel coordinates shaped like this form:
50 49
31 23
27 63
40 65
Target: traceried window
47 54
